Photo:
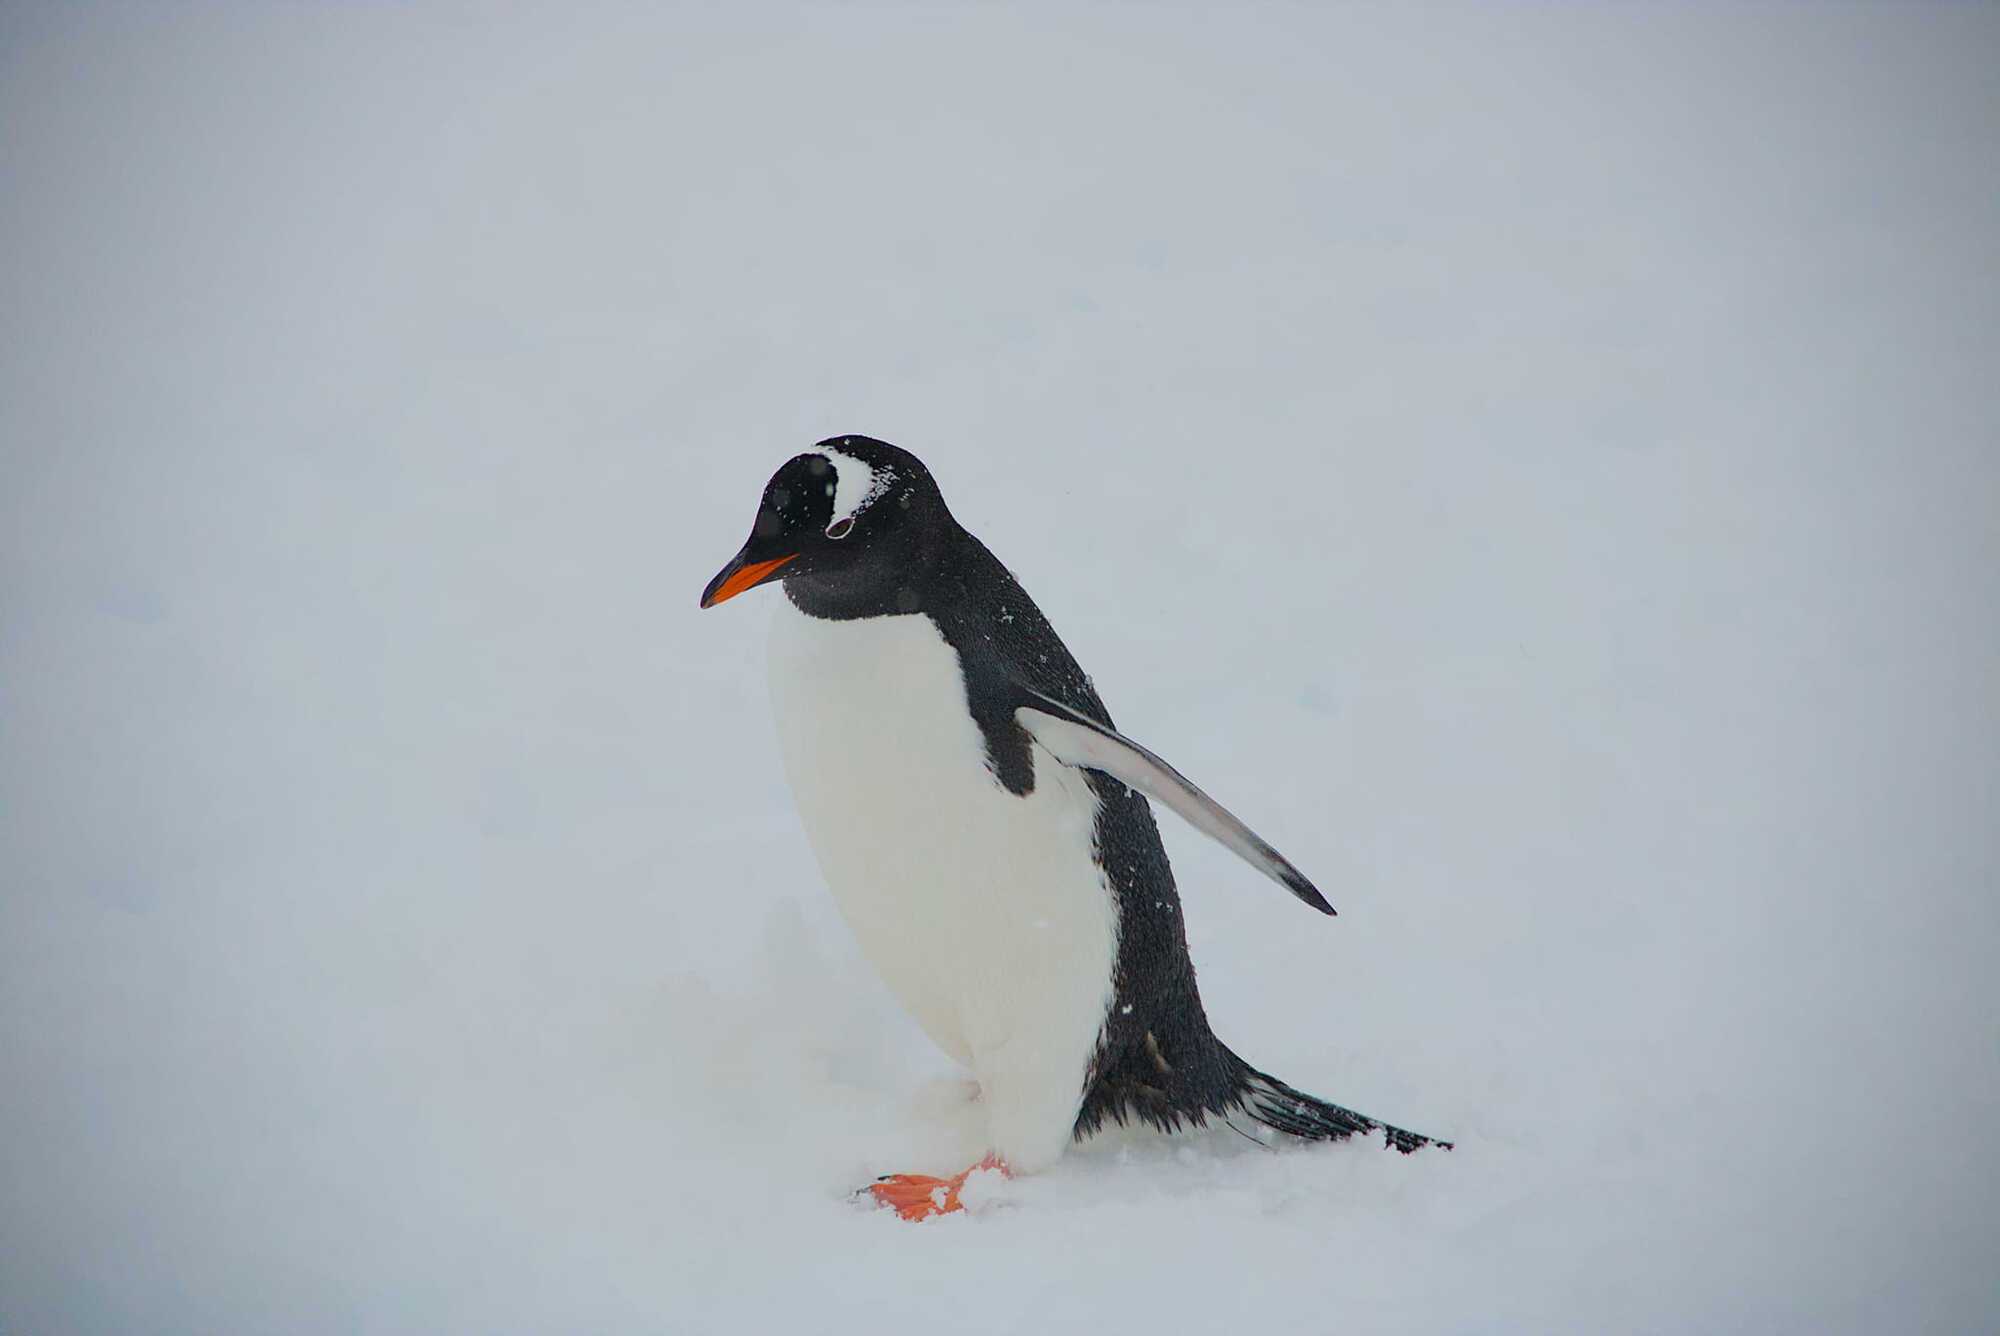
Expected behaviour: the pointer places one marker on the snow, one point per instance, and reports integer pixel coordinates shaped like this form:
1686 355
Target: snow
1537 465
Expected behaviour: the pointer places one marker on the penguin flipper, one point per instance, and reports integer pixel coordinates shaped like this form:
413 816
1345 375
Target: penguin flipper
1078 740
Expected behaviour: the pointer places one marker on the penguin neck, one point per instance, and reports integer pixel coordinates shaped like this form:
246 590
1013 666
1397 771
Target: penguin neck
834 601
899 578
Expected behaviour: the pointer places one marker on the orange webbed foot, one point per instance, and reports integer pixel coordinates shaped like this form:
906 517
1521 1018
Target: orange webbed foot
920 1196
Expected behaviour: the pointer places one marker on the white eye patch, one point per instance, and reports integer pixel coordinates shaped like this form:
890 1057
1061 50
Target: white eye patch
856 486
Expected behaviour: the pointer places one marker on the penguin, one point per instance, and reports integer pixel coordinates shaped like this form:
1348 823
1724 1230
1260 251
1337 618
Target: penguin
987 831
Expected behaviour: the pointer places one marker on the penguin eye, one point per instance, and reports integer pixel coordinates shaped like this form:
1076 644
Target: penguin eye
841 527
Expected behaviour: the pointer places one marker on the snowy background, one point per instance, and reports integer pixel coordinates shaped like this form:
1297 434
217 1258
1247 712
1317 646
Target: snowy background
1540 465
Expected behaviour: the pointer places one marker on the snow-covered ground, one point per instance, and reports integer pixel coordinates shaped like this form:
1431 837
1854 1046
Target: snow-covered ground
1541 465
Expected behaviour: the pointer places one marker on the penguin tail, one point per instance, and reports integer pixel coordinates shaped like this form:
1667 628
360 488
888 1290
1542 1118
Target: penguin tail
1295 1113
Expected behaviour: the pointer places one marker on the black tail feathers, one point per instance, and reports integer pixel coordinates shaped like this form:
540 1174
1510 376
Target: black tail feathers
1295 1113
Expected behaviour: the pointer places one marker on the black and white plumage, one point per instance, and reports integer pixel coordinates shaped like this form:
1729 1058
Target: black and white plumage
982 823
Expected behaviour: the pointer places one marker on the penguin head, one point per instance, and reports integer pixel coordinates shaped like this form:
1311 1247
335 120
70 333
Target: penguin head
847 517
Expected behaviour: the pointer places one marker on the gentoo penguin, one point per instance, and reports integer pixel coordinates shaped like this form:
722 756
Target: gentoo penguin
985 828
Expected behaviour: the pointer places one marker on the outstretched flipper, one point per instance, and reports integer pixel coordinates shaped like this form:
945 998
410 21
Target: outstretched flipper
1076 739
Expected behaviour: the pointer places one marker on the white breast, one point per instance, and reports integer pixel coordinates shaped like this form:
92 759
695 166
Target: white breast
985 912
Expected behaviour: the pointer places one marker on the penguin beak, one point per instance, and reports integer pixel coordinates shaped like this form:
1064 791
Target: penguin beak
740 575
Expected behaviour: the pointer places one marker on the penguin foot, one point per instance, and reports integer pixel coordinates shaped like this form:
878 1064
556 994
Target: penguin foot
920 1196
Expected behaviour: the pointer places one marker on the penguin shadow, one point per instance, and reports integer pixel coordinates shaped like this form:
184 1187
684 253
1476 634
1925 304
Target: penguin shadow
816 1069
814 1053
1219 1170
1235 1162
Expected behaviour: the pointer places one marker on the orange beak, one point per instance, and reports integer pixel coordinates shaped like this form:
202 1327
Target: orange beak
738 576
